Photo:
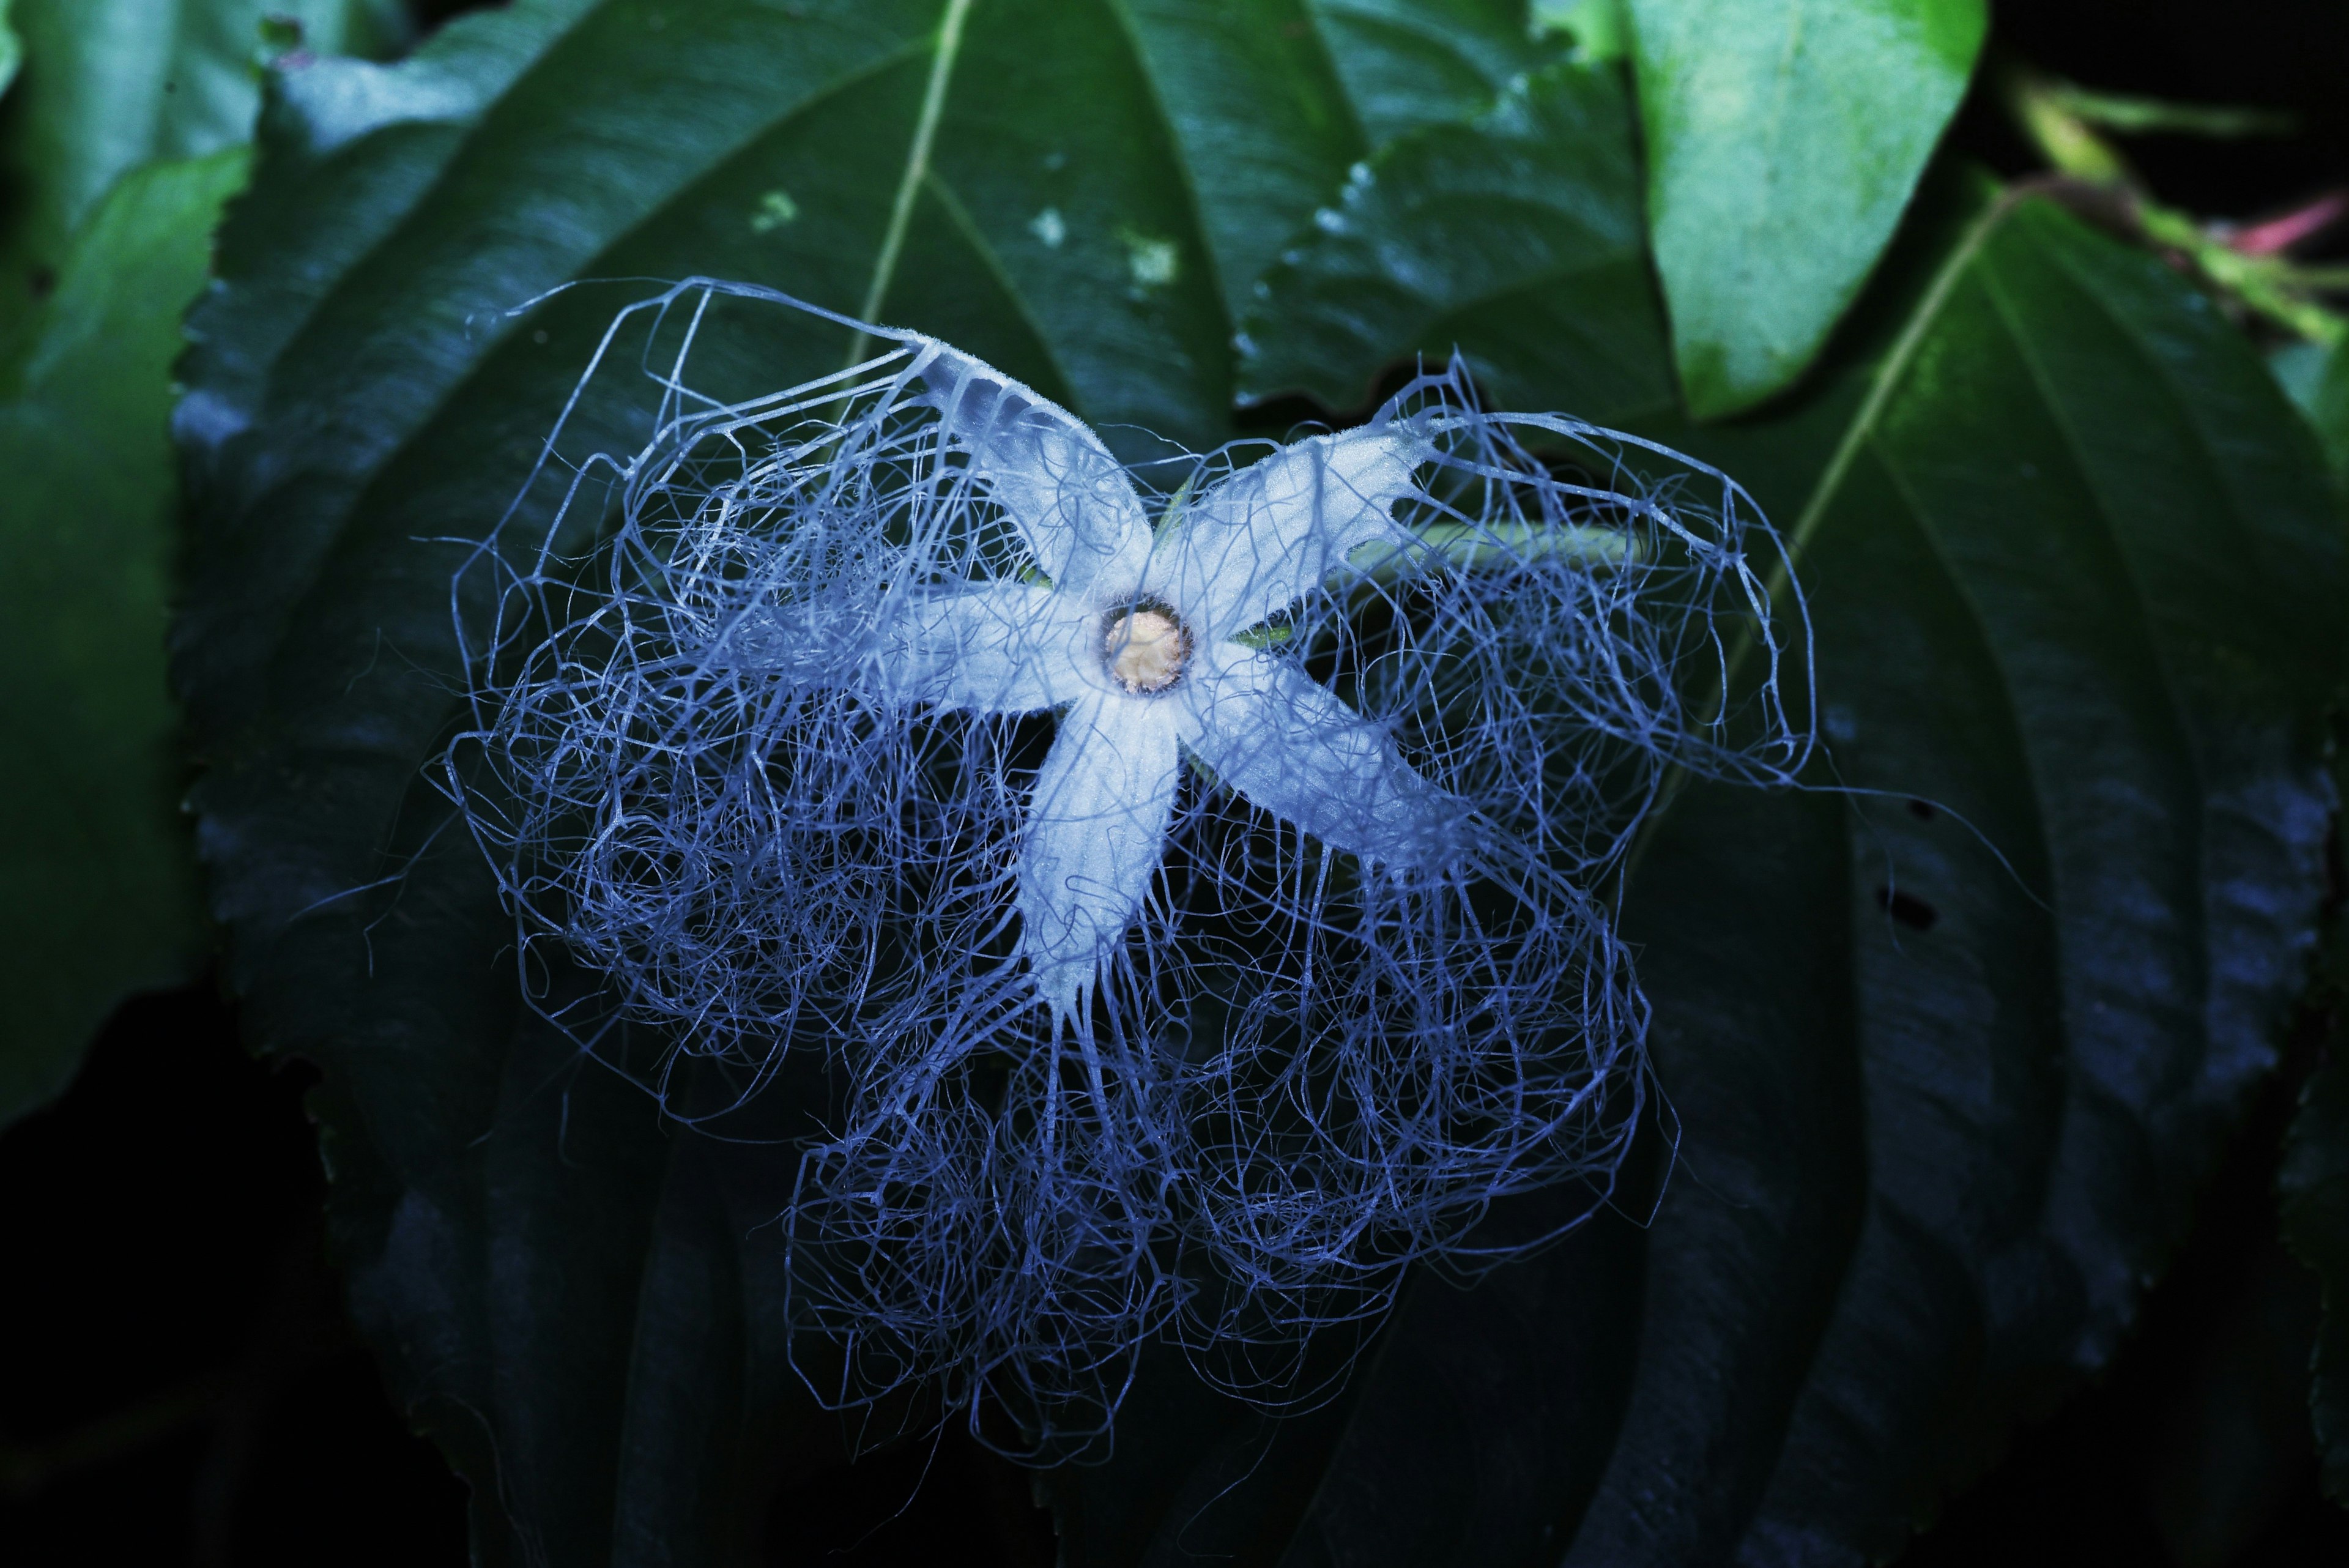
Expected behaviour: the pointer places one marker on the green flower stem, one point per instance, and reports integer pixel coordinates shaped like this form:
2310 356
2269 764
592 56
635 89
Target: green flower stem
2060 121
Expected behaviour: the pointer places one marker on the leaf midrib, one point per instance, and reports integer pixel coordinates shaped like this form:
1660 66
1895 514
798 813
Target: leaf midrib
1863 431
916 171
2195 944
1889 372
944 52
1893 369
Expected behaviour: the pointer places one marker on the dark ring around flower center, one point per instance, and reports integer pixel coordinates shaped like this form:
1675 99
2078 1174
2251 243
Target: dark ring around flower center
1145 646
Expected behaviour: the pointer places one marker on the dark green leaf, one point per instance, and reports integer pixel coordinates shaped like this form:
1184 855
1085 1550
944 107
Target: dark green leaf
578 1299
2071 559
1410 64
1515 241
1949 1060
96 894
109 84
100 252
1784 138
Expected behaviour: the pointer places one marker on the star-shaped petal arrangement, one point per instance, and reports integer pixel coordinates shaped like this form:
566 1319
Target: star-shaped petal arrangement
1133 641
1197 891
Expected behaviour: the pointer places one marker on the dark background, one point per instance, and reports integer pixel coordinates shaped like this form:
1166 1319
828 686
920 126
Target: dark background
180 1383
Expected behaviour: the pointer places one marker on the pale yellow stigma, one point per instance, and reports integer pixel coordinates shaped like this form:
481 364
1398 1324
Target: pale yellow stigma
1145 649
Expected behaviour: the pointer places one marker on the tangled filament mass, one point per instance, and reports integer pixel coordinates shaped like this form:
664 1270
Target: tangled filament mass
710 771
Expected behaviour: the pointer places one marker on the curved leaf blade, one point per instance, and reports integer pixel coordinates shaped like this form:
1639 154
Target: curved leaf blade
2120 687
108 85
1947 1076
96 895
580 1301
1784 138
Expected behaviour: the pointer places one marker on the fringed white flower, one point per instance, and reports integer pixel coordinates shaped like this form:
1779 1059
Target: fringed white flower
1196 896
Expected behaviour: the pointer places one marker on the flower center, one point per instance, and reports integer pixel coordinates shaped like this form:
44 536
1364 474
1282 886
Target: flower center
1145 649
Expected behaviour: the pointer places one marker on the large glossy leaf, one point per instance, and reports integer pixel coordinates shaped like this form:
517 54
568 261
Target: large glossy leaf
108 85
1784 138
1945 1075
577 1299
1948 1060
96 890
